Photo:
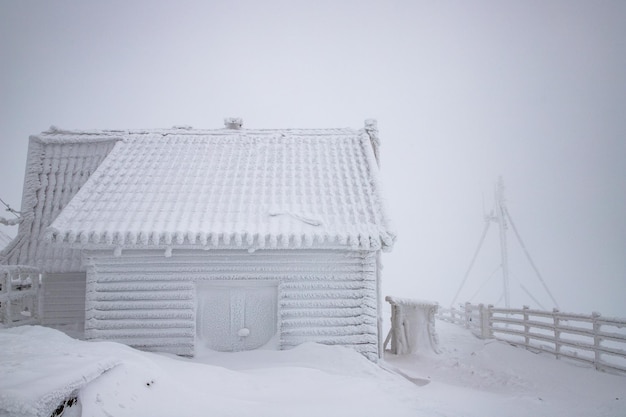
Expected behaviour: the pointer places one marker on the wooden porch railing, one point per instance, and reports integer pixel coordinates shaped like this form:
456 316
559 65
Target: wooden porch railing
19 295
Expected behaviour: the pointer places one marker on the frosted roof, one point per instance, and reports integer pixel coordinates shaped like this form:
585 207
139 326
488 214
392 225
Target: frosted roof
57 166
242 188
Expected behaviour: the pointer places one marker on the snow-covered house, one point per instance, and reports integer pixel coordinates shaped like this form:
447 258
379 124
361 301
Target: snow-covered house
229 238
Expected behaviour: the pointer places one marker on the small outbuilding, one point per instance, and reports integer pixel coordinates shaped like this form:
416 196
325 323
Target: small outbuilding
230 239
412 326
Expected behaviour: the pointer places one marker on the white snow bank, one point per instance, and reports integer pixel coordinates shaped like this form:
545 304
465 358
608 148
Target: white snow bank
310 380
471 377
476 377
40 367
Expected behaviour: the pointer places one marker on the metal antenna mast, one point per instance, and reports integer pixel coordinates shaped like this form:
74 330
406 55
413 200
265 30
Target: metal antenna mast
500 215
500 218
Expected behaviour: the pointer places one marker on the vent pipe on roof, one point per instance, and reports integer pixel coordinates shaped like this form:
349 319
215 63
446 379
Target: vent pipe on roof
371 127
233 122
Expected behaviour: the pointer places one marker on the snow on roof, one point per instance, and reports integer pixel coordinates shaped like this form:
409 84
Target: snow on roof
57 165
235 188
410 302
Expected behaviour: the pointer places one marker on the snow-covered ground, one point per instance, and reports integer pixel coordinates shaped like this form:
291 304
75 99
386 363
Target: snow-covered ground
470 377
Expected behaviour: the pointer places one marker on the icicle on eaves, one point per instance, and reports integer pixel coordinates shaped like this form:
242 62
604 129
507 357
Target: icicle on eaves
151 238
108 237
131 238
297 240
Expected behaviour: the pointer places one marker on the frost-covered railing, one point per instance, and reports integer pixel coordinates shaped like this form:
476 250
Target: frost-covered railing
468 316
19 290
412 326
590 338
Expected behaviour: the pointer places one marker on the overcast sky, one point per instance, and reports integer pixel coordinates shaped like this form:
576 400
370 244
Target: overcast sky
464 91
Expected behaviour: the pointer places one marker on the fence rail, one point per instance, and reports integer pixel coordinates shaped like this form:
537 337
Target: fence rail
19 295
593 339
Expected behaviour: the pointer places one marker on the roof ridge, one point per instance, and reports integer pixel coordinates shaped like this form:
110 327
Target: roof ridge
187 130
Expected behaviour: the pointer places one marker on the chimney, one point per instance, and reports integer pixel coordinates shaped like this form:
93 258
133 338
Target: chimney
233 123
371 127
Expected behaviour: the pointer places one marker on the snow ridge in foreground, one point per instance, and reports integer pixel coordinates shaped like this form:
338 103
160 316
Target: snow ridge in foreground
470 377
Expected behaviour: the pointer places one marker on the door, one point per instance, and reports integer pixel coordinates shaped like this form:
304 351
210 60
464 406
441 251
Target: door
236 315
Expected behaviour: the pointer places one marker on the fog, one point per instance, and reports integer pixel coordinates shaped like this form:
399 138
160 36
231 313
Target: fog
463 92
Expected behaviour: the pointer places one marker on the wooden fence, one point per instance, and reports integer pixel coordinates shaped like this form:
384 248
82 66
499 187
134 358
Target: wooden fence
593 339
19 295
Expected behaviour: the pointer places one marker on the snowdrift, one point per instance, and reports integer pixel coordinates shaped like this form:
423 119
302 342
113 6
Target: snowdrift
40 367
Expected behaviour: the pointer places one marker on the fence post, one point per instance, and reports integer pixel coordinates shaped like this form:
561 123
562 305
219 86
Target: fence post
468 314
39 306
481 326
8 318
395 325
485 322
3 298
596 340
526 327
557 332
